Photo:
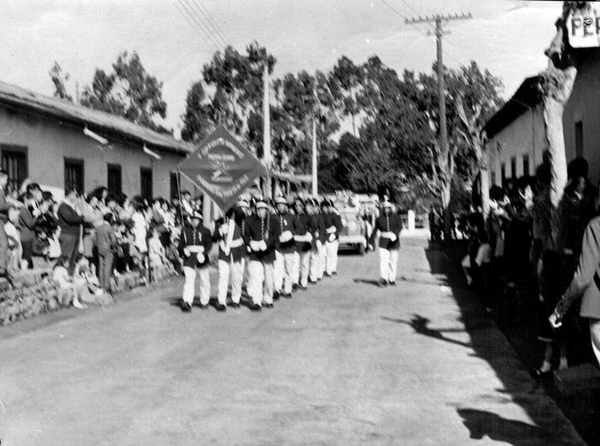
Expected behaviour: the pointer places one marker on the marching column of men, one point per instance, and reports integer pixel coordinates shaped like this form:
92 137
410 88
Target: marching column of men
279 251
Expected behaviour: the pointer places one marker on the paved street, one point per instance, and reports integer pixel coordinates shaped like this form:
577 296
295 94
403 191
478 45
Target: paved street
344 363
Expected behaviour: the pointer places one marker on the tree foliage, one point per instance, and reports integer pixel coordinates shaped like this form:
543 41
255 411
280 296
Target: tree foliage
127 91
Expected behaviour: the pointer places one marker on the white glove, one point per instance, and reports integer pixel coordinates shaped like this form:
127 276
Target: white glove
286 236
319 244
393 238
200 257
186 252
254 245
309 237
331 229
224 229
332 237
262 246
555 320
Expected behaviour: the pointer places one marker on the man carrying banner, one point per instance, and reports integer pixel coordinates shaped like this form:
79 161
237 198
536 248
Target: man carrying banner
262 233
389 226
290 227
228 234
333 227
194 246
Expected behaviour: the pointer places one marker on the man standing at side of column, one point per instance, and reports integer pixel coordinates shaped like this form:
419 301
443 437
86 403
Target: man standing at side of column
389 226
290 227
333 227
261 235
194 245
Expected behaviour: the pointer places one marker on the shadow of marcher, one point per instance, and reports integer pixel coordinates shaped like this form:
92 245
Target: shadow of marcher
517 433
420 325
368 281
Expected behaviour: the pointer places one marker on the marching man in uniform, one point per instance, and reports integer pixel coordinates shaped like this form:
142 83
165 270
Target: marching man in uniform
228 233
303 245
290 227
333 227
316 227
194 246
261 236
389 226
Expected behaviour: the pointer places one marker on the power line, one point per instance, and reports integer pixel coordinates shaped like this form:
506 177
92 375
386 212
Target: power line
210 37
417 28
212 22
203 22
185 16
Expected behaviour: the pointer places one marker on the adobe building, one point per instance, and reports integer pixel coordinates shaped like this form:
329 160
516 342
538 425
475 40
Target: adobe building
516 140
60 144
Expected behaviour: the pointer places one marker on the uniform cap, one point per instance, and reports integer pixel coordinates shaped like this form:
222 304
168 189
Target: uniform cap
196 214
387 204
261 204
243 204
280 200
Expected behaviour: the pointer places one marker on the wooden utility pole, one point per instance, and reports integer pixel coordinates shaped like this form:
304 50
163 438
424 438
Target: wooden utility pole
439 21
315 186
445 155
267 131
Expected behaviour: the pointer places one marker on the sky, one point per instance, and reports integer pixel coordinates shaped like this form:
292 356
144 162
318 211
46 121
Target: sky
506 37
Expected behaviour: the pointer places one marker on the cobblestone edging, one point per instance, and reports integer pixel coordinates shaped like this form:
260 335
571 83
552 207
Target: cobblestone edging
35 292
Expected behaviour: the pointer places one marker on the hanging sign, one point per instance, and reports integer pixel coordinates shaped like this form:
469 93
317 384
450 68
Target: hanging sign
583 27
222 168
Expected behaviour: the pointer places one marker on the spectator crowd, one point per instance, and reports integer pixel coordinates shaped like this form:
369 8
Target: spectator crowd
535 257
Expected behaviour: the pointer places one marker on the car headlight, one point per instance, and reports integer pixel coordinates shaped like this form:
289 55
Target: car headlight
352 226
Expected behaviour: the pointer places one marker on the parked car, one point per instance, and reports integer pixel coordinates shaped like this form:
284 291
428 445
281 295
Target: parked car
354 233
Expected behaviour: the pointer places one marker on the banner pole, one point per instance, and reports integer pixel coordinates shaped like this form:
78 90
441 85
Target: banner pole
180 206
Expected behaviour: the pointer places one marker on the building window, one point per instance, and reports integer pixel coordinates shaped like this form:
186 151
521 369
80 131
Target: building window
146 183
526 165
493 178
513 167
14 162
503 173
579 139
114 183
74 175
174 185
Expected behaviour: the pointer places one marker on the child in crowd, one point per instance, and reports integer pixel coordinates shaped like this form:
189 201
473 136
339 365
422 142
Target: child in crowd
156 251
106 244
67 284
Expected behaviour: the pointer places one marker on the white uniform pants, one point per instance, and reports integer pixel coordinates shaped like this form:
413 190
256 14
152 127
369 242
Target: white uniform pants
332 256
296 271
260 282
315 263
230 272
304 267
388 263
322 260
289 261
190 281
278 272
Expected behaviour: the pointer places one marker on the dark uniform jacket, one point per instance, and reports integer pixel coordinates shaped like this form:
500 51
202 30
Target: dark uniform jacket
267 230
289 222
317 229
387 224
303 246
234 250
194 237
333 225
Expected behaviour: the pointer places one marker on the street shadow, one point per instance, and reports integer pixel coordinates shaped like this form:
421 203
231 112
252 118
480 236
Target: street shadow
517 433
420 325
374 282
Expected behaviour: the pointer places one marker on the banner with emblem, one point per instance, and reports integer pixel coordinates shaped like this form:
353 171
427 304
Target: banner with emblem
222 168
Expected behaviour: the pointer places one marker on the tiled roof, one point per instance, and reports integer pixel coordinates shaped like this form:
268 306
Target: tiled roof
100 122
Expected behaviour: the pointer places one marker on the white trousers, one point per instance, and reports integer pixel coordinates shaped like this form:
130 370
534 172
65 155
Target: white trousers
230 272
278 272
388 263
190 282
322 261
289 263
332 257
304 267
260 282
315 264
296 271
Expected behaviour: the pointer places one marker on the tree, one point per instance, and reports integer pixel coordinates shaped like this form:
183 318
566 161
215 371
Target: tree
557 85
59 80
128 91
347 80
196 124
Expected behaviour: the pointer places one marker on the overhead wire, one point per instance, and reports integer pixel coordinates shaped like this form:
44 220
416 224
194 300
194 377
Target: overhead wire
193 16
211 21
419 29
194 27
